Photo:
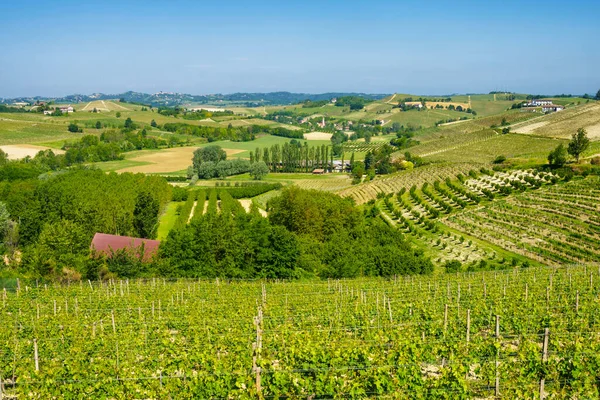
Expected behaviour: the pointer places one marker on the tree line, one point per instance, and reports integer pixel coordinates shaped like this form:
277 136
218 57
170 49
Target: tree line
53 218
307 234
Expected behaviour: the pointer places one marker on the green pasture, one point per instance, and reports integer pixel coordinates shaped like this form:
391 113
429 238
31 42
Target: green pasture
167 219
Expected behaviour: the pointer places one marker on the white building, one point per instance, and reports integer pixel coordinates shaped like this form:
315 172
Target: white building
539 102
552 108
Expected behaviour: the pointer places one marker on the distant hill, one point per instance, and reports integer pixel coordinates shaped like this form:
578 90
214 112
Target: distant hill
173 99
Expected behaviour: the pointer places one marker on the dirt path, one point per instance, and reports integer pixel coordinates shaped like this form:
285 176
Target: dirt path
454 122
118 105
247 204
205 207
86 106
390 100
192 212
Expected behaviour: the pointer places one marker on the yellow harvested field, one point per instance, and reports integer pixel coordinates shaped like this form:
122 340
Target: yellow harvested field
317 136
593 131
18 151
104 106
531 127
168 160
563 124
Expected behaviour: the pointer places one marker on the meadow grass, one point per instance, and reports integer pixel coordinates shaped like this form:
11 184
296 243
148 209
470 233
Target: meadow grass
518 148
167 219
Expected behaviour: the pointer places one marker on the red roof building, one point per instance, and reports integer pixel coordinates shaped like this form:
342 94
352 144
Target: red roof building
103 243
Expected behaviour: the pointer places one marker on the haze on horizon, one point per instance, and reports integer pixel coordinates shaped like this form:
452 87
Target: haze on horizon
429 47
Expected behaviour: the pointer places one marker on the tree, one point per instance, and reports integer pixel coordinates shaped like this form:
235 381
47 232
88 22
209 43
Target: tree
212 153
259 170
598 95
145 215
118 114
129 124
73 127
3 157
578 144
558 156
4 220
153 124
98 125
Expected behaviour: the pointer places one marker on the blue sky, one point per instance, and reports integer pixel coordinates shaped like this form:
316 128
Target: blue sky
200 47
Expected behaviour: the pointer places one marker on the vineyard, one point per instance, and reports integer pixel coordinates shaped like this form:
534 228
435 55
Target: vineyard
452 142
555 225
525 213
519 333
405 179
362 147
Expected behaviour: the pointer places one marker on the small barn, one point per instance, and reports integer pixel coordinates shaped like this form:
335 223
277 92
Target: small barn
106 244
318 171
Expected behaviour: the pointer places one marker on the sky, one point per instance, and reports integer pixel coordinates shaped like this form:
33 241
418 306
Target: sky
203 47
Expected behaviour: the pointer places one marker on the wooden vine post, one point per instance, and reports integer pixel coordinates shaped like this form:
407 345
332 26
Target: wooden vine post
497 391
1 387
35 355
445 318
468 325
544 360
256 347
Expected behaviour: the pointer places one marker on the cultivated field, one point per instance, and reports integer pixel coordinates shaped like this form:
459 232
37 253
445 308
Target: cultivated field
106 106
167 160
405 179
19 151
455 336
317 136
555 225
564 123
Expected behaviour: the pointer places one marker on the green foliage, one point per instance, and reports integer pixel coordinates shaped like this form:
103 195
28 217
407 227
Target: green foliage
578 144
558 157
259 170
61 250
212 153
73 127
499 160
355 102
145 215
250 189
453 266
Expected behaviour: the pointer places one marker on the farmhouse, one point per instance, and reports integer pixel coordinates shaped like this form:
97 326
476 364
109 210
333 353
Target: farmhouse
539 102
552 108
414 104
66 109
318 171
103 243
338 167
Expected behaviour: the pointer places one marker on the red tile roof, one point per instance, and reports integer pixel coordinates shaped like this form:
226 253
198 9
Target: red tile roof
108 244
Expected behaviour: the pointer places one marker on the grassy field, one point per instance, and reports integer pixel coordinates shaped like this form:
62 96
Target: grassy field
167 219
176 160
518 148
